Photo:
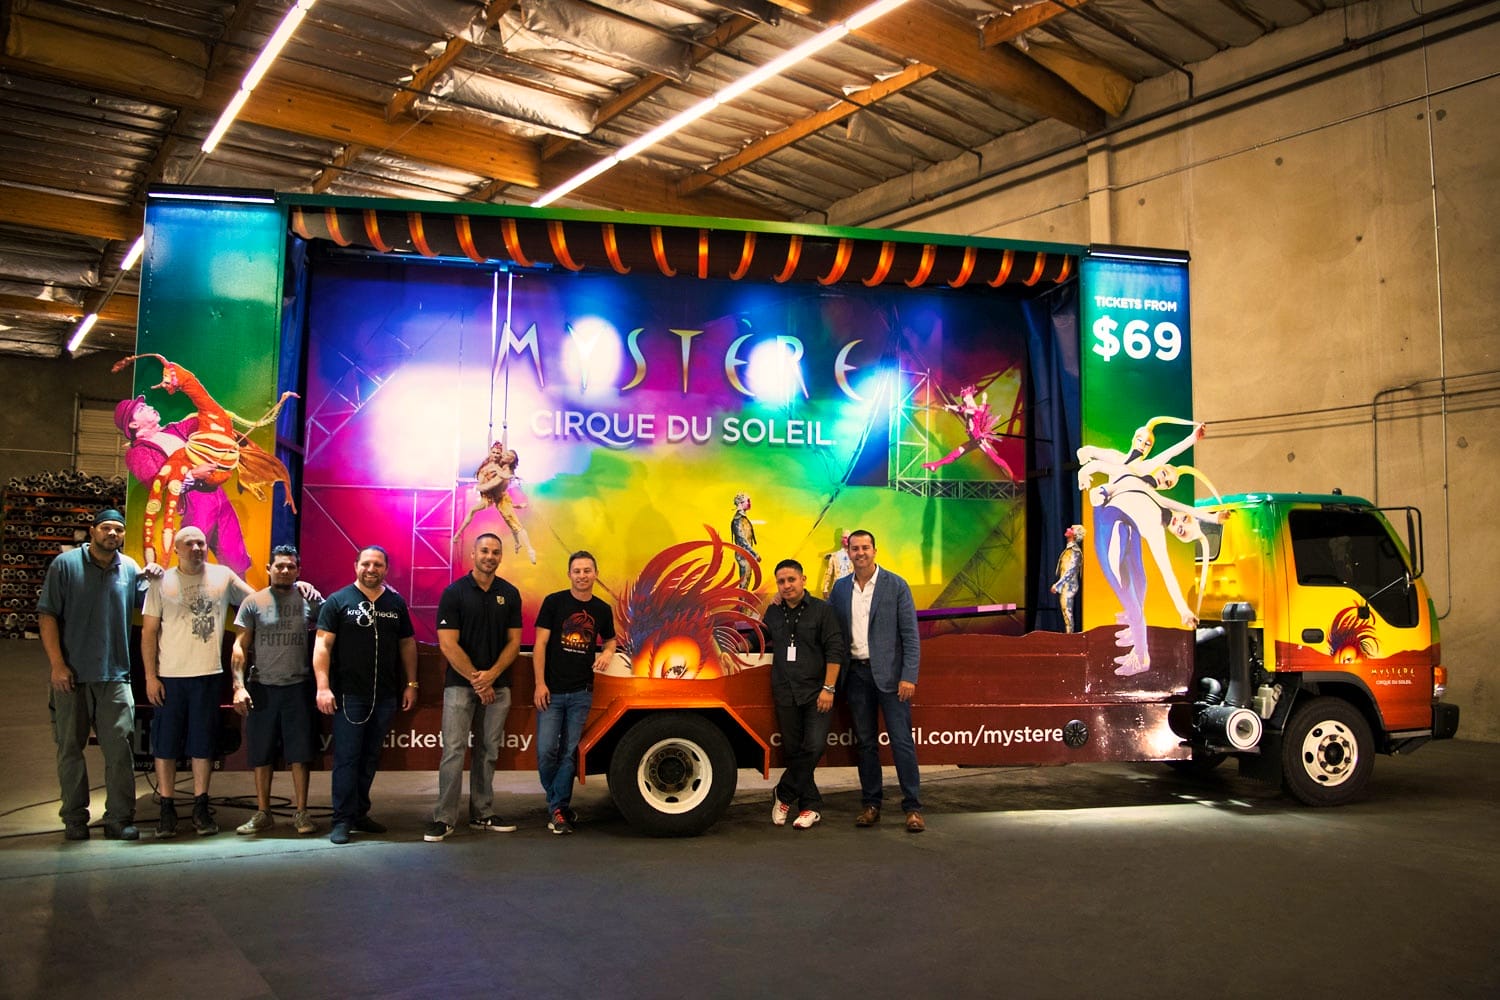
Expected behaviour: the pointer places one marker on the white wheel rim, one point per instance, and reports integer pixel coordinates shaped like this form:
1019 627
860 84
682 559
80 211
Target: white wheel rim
1329 753
674 776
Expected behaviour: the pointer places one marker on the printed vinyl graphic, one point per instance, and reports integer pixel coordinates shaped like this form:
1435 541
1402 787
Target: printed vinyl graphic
1132 515
186 464
691 614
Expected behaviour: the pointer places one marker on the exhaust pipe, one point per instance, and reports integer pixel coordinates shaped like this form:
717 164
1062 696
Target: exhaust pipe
1224 716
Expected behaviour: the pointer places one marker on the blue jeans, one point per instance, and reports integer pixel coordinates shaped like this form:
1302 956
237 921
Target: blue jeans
461 710
356 752
865 699
558 730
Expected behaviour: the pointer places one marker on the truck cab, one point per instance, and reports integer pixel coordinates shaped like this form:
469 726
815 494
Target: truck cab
1344 656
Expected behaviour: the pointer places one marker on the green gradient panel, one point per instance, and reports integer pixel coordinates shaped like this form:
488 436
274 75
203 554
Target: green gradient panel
1135 366
211 302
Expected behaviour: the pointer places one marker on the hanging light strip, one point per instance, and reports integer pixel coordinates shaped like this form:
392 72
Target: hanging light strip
750 81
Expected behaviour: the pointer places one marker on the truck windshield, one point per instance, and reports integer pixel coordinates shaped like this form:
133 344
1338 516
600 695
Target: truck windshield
1354 549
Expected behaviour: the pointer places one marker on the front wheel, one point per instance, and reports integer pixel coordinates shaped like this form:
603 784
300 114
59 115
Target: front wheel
1327 753
673 774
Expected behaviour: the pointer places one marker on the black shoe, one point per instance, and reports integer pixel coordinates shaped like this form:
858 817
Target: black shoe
437 832
75 831
364 824
340 834
492 823
559 822
203 817
121 831
166 827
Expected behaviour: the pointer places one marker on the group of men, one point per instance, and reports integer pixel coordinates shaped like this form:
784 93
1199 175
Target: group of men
363 668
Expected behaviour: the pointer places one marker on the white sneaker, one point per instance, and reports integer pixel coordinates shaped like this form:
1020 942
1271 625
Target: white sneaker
806 819
303 822
779 811
255 824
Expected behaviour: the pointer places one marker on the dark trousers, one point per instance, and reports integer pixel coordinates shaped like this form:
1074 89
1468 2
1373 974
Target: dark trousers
358 733
865 701
804 735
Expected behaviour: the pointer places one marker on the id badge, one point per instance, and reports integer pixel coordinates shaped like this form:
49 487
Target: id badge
791 654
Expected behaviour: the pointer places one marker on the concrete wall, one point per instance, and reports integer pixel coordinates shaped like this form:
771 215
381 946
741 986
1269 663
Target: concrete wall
40 396
1344 225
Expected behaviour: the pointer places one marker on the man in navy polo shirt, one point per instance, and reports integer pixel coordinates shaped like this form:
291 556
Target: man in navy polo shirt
479 632
84 617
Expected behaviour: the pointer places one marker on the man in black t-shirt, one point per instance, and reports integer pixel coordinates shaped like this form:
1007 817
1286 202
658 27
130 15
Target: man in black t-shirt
479 632
365 663
569 628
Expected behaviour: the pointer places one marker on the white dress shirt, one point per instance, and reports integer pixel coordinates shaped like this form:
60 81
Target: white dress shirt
859 617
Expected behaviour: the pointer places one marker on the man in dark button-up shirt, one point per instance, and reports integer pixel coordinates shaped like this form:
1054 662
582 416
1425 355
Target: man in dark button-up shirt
807 648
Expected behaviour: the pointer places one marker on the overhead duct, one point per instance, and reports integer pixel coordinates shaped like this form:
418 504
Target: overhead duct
609 36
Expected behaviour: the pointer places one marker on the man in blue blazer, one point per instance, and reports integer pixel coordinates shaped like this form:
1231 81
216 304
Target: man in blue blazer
879 618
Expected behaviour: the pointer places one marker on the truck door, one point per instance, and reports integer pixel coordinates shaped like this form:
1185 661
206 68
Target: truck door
1353 609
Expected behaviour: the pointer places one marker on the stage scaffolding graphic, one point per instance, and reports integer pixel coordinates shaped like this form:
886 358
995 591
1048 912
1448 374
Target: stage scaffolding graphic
997 559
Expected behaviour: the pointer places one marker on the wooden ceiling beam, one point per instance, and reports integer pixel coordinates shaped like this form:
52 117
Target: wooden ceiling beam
335 169
63 214
634 187
119 309
942 38
401 105
998 30
799 130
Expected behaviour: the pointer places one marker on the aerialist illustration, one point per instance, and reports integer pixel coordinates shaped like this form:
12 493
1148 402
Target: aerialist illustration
1069 570
836 564
185 465
1131 515
498 486
983 426
742 531
687 616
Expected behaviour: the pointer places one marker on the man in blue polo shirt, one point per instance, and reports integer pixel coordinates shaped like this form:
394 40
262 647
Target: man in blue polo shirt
84 617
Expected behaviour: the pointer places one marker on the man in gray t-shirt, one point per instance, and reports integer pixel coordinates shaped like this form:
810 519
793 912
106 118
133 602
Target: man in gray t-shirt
277 697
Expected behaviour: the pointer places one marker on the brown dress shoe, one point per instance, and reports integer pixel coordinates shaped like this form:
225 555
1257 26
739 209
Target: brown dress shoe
868 816
915 823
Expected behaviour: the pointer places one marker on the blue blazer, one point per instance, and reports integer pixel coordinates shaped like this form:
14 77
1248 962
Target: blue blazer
894 650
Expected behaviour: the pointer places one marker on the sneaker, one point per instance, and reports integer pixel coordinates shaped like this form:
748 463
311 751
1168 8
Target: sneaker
340 834
437 832
303 823
492 823
166 827
779 811
258 823
364 824
571 814
559 822
203 817
75 831
807 819
121 831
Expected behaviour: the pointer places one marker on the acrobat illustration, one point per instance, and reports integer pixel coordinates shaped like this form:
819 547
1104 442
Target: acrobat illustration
498 486
983 427
1131 515
742 532
836 564
1069 569
184 466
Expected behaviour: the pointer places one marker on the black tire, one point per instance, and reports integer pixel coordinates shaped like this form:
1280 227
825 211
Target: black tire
1200 765
1327 753
673 774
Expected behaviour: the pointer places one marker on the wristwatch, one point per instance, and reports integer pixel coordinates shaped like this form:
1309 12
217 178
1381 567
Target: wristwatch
412 684
829 688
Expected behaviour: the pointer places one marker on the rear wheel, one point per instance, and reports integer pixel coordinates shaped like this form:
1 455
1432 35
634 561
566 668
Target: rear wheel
673 774
1327 753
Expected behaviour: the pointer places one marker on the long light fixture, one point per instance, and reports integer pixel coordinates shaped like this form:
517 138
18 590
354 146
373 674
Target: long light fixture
253 75
743 85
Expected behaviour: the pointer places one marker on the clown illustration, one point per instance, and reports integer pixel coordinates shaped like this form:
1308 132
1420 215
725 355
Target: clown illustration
498 486
1069 570
185 464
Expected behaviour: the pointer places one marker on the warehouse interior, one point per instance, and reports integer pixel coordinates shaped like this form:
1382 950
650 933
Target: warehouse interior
1329 169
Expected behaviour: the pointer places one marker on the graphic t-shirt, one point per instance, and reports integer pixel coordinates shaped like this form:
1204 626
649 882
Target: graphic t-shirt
366 660
279 621
193 610
578 627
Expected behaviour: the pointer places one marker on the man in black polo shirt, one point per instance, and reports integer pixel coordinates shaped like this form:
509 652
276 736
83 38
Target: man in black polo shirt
479 632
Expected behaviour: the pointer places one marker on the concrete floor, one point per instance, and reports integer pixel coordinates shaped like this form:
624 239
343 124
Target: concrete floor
1120 881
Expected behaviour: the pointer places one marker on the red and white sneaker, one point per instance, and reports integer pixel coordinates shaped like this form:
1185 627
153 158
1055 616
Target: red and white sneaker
779 811
807 819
